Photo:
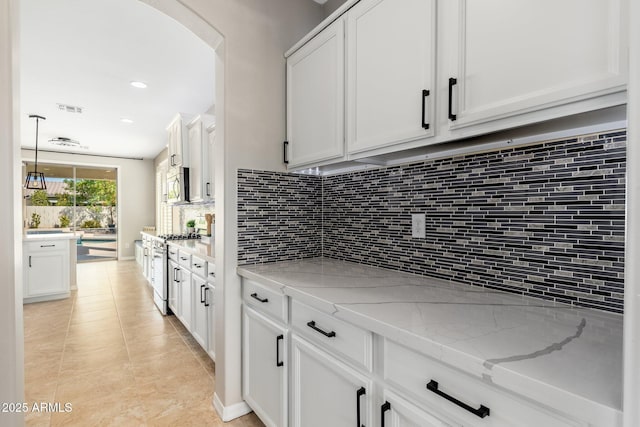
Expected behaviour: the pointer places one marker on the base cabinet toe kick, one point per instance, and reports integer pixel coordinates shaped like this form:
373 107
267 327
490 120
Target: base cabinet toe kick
303 367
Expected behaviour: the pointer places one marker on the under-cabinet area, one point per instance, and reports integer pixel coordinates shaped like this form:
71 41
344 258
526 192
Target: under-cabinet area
328 342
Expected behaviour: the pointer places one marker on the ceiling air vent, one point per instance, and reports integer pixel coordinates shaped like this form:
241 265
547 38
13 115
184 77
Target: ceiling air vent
67 142
70 108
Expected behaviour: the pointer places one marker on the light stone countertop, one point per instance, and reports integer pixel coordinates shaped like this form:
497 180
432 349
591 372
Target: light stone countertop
546 351
195 247
49 236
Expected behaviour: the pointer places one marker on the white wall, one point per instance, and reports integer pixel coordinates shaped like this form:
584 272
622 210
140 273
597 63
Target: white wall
136 192
632 238
11 335
331 5
250 117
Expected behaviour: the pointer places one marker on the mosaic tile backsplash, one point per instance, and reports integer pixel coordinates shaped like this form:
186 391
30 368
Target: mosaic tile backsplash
279 217
546 220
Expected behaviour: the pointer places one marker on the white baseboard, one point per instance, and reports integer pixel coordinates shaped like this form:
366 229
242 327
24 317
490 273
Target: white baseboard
231 412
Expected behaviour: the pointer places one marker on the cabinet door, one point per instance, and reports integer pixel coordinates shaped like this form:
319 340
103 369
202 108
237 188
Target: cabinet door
174 135
515 57
264 361
46 273
315 98
209 184
173 288
326 392
397 412
197 162
199 328
184 300
209 302
390 72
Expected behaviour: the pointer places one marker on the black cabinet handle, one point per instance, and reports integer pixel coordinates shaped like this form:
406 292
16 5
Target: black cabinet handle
208 189
425 93
206 295
285 158
313 326
255 296
201 294
175 274
452 82
29 261
481 412
278 361
47 246
386 406
183 258
361 392
197 265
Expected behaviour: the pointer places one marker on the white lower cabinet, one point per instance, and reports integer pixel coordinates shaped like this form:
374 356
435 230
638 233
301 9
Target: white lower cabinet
185 310
209 303
397 412
199 328
46 270
326 391
264 361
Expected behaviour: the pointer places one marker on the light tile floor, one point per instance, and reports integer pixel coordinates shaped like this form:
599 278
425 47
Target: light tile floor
108 352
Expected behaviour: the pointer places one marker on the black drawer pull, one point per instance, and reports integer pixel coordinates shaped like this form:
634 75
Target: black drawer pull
206 295
425 93
361 392
278 361
208 189
285 158
197 265
202 296
384 408
47 246
183 258
255 296
313 326
481 412
29 260
452 82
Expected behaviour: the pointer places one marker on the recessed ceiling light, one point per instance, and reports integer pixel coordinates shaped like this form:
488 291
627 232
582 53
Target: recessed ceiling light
124 120
139 85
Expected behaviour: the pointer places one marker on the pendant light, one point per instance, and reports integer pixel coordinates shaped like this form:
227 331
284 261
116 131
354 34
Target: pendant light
35 179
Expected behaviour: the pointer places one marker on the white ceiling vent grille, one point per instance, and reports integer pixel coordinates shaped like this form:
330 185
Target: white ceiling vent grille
70 108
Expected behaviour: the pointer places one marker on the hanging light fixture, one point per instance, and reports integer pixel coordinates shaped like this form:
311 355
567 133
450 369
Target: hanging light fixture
35 179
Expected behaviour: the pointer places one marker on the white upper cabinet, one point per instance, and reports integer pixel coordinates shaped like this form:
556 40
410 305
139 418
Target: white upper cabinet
178 141
509 59
421 72
210 181
391 59
315 99
199 158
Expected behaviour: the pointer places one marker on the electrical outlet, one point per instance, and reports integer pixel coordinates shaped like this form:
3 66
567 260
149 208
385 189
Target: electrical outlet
418 225
127 245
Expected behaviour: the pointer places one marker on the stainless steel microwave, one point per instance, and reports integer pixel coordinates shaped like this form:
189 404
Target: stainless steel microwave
178 185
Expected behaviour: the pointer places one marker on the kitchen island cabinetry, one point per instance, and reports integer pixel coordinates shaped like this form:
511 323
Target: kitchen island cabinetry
430 352
46 267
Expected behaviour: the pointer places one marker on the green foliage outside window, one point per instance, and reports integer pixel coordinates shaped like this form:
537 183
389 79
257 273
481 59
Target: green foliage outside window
39 198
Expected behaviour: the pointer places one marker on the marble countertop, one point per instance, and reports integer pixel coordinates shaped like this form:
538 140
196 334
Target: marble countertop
547 351
49 236
195 247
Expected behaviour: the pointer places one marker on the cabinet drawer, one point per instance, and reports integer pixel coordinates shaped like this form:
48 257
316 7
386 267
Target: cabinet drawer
172 253
264 299
211 271
331 333
184 259
198 266
48 245
411 371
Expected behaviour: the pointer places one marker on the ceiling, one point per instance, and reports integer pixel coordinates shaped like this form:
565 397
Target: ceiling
85 53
